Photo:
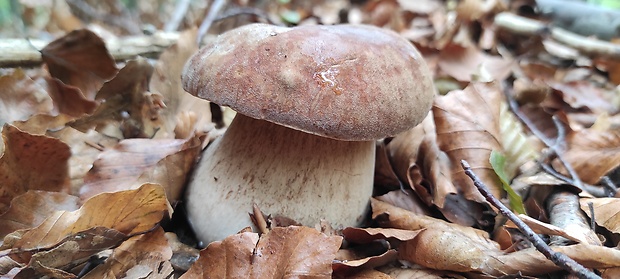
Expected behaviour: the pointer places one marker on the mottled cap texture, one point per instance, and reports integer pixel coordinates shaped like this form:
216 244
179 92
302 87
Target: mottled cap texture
346 82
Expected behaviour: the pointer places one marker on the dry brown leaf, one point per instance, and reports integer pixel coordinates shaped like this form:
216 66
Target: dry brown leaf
284 252
593 153
126 104
166 82
365 235
470 64
85 149
72 251
369 274
32 208
344 268
606 212
69 99
467 124
21 97
129 212
405 199
136 161
416 157
419 273
138 257
80 59
31 162
583 94
448 249
393 217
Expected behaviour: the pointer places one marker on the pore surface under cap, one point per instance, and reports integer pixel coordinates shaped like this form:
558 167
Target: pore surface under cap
345 82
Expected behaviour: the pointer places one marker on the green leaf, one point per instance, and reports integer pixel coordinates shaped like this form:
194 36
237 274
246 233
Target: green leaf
498 162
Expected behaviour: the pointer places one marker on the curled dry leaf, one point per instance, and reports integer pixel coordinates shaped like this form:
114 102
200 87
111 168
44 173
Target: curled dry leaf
422 273
284 252
394 217
126 103
593 153
68 99
129 212
136 161
32 208
448 249
417 158
369 274
80 59
606 212
138 257
467 124
343 268
31 162
72 251
166 82
21 97
469 64
360 235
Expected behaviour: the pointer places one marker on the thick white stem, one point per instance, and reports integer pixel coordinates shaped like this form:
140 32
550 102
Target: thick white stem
285 172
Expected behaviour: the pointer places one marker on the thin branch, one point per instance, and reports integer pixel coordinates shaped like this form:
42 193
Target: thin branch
525 26
177 16
214 10
610 187
557 258
556 147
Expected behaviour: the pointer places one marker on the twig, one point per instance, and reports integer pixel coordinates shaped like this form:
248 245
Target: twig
235 11
556 147
25 53
177 16
215 9
525 26
610 187
593 190
557 258
592 217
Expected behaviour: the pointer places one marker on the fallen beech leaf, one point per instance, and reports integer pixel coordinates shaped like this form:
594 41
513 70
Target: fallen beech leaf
136 161
149 253
583 94
417 158
31 162
124 98
406 199
344 268
365 235
423 273
68 99
166 82
593 153
369 274
21 97
390 216
128 212
606 212
85 149
465 63
284 252
80 59
448 249
32 208
73 250
467 124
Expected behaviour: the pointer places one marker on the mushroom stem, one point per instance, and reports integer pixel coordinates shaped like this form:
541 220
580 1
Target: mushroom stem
285 172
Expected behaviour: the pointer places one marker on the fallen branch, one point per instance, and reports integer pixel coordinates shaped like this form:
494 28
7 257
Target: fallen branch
26 53
557 258
525 26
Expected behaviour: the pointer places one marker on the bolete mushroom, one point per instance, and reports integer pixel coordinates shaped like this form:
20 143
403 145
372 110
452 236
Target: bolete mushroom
310 102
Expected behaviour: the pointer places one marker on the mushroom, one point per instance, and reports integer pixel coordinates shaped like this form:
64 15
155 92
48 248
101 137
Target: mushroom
310 103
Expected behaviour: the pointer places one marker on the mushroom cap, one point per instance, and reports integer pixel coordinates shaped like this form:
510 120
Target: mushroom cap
346 82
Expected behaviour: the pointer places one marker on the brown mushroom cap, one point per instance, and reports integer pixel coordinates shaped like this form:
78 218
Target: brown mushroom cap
347 82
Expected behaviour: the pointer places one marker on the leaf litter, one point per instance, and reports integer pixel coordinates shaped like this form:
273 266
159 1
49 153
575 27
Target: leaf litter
96 152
